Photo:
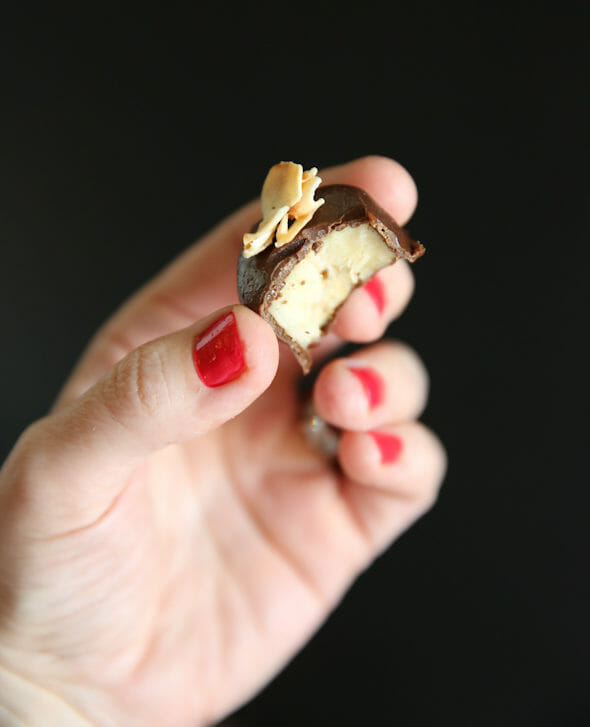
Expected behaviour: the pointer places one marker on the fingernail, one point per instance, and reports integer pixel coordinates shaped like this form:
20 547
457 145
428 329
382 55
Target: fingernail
372 384
389 446
218 352
375 289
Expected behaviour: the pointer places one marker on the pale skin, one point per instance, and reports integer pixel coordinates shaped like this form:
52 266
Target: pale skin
165 547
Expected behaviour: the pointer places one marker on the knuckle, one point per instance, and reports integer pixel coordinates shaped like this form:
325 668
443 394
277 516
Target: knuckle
35 443
138 383
31 461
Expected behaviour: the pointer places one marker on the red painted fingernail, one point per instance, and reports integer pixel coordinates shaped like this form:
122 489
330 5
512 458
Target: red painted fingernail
377 292
219 353
389 445
372 384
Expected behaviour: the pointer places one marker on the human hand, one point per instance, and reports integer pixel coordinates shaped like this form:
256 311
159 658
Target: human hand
166 546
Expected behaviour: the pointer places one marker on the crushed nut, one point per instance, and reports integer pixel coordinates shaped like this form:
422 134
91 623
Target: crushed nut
287 194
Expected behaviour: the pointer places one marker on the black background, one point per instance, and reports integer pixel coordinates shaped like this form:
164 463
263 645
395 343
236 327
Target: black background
126 136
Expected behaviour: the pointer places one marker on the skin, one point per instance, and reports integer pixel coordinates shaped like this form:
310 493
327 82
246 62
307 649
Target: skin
165 548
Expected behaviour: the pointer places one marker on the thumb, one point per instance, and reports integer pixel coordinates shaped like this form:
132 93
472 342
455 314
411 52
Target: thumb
74 463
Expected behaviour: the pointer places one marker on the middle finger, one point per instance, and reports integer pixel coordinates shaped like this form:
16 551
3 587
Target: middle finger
385 383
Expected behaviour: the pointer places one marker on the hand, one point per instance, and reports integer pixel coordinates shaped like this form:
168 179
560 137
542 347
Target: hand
165 546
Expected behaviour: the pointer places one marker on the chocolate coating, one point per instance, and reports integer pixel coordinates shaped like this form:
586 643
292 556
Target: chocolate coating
261 277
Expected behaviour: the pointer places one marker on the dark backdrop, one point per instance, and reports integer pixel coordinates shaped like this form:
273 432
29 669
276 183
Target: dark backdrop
126 136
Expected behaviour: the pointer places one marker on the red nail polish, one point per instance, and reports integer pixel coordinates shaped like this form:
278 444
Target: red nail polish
389 445
375 289
372 384
218 353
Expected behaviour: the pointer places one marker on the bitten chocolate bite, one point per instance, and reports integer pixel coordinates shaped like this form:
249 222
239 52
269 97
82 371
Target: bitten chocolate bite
306 256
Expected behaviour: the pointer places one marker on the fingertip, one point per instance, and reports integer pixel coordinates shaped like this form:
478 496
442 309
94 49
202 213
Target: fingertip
385 179
338 396
391 183
260 345
408 460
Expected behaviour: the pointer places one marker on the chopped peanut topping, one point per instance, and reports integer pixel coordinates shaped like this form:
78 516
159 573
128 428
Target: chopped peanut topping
287 195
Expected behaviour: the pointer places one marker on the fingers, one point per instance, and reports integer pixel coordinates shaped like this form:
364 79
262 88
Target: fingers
204 277
169 390
392 466
383 384
393 477
405 460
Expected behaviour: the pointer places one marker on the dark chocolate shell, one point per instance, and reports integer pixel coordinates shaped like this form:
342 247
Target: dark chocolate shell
261 277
